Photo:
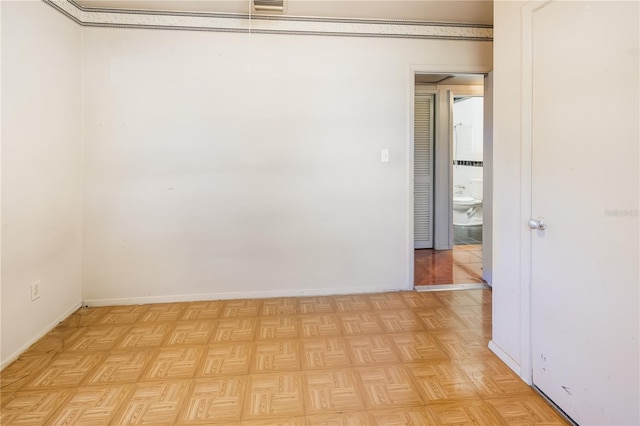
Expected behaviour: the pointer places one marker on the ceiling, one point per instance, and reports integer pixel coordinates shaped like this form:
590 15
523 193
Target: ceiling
460 11
451 79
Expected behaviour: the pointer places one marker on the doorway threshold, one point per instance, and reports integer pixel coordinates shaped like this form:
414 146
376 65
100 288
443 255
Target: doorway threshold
448 287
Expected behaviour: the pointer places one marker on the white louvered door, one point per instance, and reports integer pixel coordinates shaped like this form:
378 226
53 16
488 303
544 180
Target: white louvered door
423 171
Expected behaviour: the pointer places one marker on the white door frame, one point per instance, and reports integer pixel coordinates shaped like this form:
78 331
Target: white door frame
526 360
440 198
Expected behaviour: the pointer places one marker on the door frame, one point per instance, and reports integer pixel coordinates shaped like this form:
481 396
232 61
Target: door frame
526 182
445 198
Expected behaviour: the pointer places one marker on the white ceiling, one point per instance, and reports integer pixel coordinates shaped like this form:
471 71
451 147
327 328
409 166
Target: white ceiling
451 79
462 11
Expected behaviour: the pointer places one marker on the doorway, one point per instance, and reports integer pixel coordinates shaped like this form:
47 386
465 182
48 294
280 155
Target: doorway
453 258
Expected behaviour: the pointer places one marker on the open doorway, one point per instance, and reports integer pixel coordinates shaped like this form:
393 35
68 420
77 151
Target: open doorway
454 257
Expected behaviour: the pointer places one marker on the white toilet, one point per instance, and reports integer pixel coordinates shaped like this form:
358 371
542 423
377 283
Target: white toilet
467 211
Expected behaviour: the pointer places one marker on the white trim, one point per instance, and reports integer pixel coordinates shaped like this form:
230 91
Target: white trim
230 295
504 357
526 355
448 287
268 24
39 335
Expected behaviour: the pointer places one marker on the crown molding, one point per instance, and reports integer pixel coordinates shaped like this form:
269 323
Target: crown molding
268 24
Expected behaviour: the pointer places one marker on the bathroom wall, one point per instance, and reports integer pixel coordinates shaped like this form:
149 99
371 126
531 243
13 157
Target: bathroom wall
41 172
467 143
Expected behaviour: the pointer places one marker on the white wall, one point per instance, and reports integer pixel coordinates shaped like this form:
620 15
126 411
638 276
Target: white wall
507 309
467 143
218 165
41 172
487 190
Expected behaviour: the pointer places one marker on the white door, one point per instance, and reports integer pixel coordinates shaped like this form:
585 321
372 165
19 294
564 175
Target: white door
585 160
423 171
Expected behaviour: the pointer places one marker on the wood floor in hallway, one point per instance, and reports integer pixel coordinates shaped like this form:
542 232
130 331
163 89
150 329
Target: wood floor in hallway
462 265
394 358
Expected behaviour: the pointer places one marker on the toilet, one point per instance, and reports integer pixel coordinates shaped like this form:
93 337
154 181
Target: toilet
467 210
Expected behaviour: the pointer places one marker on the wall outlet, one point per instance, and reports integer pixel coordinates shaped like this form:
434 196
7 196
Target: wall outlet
35 290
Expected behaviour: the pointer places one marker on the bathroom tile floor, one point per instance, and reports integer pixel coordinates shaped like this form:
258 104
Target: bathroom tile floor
388 359
462 265
467 234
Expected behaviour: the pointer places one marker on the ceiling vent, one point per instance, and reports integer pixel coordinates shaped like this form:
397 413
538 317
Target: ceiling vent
268 5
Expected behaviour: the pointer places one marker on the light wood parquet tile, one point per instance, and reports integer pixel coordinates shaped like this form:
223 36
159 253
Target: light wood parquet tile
389 358
466 412
281 355
174 363
418 348
286 421
164 312
144 336
98 339
331 391
387 301
421 300
190 333
370 350
21 371
491 377
319 325
439 319
523 410
32 407
472 316
203 310
57 340
120 367
124 314
414 416
84 317
214 401
388 387
398 321
285 327
351 303
67 370
273 396
241 308
361 418
359 323
235 330
226 359
461 344
329 352
155 403
316 305
444 381
95 405
280 306
456 298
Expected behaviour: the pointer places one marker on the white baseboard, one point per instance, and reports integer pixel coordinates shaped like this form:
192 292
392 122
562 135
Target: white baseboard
504 357
39 335
239 295
445 287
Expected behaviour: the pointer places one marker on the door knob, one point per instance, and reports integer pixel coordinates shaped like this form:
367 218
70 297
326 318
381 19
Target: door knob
538 224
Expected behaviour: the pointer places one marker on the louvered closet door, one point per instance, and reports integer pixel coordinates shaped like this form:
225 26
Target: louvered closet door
423 172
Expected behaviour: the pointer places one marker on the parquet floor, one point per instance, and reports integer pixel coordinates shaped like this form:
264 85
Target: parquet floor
462 265
404 358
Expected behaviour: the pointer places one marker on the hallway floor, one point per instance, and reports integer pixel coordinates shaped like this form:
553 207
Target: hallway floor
462 265
388 359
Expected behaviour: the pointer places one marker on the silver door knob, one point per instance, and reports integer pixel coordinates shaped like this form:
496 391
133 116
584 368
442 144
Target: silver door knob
538 224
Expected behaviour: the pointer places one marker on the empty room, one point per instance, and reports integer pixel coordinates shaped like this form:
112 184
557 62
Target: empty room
208 211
